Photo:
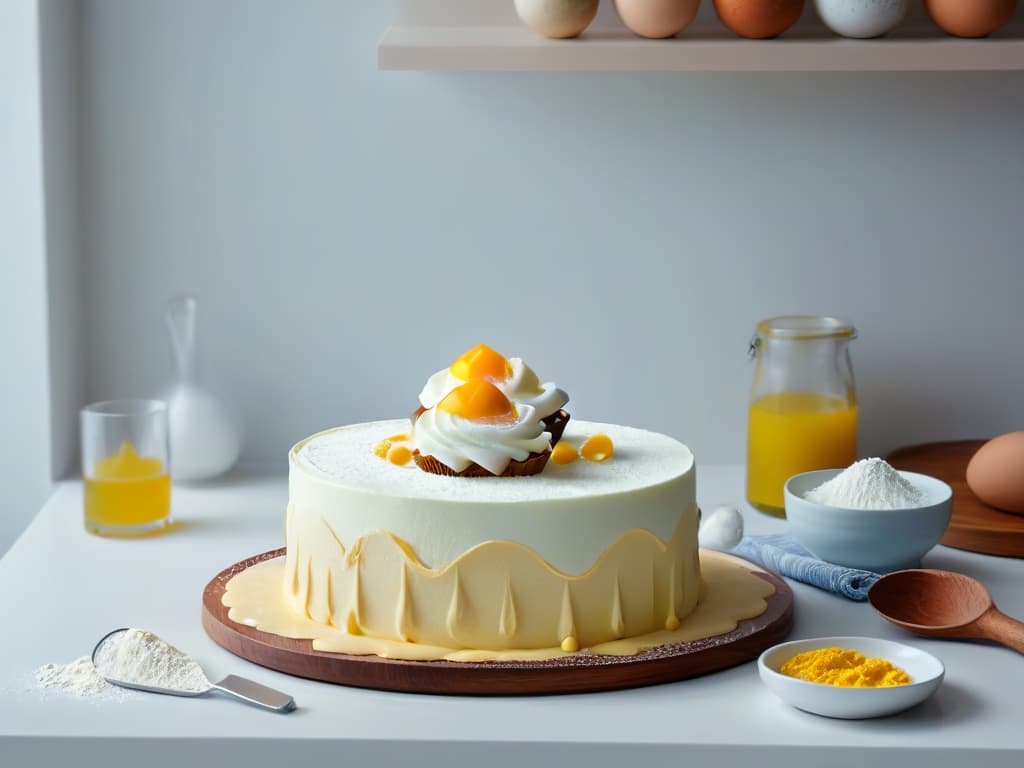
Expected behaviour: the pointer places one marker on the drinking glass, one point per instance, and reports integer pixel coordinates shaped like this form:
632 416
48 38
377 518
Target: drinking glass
125 460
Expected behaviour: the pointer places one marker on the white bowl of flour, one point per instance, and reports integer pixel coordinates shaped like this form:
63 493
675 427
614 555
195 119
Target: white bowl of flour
869 515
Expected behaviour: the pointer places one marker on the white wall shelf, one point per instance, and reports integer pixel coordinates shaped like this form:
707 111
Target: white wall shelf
708 48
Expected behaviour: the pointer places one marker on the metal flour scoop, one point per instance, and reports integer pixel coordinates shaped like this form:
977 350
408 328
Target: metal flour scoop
144 662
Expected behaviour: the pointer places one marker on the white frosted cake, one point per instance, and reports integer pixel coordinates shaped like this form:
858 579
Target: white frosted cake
491 526
581 554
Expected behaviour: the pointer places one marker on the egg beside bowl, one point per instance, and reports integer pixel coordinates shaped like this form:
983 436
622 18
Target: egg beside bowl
995 472
880 540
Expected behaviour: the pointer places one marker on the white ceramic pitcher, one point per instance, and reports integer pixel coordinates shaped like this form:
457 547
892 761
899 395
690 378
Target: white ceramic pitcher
205 436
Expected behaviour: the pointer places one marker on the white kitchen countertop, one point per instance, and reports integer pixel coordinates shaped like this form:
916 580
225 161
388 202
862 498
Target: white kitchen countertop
61 589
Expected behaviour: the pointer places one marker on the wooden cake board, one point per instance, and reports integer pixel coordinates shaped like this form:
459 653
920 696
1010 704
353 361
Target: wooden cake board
975 525
577 673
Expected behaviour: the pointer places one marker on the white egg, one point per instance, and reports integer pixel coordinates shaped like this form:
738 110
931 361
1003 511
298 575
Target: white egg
861 18
557 18
722 529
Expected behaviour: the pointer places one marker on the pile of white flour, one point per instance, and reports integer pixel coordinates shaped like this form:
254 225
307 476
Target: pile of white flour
867 484
132 656
77 678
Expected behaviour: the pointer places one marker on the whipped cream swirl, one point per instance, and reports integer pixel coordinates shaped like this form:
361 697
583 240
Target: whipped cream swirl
522 387
458 442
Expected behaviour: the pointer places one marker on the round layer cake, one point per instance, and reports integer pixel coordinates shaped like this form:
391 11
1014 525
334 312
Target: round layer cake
580 554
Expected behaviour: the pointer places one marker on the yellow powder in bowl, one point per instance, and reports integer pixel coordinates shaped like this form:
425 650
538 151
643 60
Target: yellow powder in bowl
844 668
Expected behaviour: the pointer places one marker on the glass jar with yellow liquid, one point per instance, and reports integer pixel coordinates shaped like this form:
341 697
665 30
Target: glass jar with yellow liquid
127 487
803 404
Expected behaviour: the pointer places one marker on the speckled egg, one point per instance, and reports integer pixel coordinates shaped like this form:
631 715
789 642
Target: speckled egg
759 18
970 18
656 18
861 18
996 472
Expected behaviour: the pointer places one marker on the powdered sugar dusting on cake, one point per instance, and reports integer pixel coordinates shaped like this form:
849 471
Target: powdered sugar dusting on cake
345 455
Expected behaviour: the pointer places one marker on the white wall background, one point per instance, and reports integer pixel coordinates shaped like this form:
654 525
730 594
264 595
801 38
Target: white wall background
59 75
24 368
350 231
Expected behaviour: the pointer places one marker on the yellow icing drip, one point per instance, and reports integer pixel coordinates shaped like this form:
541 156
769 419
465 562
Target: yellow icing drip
455 609
617 623
672 618
353 555
597 448
309 588
566 621
655 611
731 593
564 452
352 623
294 571
327 596
404 617
570 645
334 536
507 624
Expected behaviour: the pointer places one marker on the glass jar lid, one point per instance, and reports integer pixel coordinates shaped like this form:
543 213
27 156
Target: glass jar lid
796 327
804 327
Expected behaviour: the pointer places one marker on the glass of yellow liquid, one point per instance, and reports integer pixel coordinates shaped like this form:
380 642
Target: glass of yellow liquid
803 404
125 474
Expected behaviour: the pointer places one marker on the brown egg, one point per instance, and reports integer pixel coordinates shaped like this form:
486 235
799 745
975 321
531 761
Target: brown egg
996 472
657 18
759 18
970 18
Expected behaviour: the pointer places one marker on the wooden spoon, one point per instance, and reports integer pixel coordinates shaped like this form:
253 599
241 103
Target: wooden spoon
943 604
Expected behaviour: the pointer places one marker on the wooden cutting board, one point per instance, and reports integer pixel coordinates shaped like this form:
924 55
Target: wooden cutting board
577 673
975 525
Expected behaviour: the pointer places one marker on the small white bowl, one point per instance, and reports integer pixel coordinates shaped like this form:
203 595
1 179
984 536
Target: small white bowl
879 540
926 673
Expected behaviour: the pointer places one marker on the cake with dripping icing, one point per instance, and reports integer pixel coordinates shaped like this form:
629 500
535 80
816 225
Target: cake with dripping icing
493 555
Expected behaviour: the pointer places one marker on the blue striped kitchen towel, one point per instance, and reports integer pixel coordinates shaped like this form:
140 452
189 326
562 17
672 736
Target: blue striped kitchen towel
782 554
